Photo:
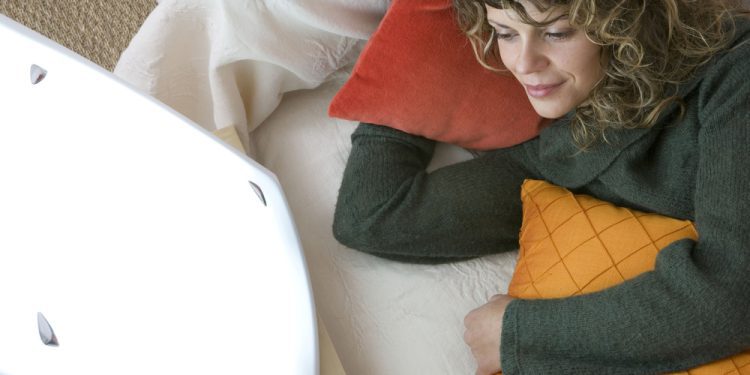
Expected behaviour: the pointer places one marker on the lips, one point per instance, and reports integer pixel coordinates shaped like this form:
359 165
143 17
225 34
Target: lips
540 91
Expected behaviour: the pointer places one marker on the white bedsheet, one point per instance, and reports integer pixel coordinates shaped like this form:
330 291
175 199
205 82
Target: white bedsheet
270 68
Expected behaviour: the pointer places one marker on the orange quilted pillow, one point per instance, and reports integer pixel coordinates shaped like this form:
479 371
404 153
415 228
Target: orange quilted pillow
576 244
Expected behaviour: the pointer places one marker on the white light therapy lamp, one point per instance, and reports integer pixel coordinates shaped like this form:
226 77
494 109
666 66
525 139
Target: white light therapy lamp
131 240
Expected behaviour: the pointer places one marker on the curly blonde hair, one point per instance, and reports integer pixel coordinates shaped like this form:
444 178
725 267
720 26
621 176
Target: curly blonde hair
650 46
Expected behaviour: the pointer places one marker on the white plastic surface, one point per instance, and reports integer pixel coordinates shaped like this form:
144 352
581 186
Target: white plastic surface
136 234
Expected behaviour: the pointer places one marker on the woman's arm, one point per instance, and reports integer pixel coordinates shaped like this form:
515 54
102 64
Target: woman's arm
389 206
694 307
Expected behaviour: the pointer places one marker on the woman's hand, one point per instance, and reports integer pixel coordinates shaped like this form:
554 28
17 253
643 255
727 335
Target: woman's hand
484 326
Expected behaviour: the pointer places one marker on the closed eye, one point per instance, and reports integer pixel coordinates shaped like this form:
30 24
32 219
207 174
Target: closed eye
504 35
558 36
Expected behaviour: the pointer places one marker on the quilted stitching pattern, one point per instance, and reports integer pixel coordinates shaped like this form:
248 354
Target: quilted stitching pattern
576 244
736 365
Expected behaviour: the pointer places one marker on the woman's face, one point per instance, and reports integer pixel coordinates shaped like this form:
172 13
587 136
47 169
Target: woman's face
557 64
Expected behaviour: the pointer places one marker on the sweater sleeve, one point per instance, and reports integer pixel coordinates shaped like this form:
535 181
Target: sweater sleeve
390 206
694 307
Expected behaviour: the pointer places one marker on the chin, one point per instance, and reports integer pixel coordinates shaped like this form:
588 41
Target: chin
550 112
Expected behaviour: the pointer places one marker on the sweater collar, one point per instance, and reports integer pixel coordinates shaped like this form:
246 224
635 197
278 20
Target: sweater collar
563 163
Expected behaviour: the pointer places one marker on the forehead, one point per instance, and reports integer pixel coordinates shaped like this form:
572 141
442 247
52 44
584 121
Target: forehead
525 11
528 4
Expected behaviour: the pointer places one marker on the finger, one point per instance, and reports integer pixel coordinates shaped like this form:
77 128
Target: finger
496 296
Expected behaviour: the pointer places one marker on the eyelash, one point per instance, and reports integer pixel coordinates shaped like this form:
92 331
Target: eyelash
559 36
553 36
500 36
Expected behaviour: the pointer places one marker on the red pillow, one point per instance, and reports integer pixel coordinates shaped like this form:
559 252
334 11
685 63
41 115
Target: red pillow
418 74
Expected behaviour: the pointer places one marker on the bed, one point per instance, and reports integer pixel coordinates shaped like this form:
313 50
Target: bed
266 70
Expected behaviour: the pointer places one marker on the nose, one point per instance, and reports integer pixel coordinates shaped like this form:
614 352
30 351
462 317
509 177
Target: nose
530 58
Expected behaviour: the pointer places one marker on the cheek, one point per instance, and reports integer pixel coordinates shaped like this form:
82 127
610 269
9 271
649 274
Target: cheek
592 62
584 66
508 56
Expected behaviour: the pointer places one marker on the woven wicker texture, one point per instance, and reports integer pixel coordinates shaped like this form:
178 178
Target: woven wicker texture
98 30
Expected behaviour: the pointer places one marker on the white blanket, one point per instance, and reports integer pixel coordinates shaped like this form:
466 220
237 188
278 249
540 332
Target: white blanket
228 62
270 68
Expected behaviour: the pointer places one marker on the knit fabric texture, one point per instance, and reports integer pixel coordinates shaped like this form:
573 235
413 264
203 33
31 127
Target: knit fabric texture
690 310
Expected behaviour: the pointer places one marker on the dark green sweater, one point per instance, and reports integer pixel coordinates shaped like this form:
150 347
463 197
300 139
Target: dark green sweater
692 309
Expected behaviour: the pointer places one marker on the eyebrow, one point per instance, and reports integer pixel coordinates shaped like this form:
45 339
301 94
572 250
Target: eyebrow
500 25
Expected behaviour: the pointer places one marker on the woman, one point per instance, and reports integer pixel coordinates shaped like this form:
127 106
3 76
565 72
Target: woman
653 109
